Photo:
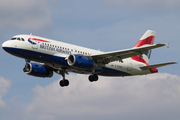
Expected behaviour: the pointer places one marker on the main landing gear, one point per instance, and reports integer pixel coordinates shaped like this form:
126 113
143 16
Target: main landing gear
64 82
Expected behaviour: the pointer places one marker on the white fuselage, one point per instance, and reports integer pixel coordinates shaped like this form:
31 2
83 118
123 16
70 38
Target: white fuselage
52 52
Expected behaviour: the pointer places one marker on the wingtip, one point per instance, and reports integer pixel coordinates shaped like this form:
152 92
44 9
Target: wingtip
167 44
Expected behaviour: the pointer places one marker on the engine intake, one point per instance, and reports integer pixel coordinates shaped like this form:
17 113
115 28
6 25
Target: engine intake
80 62
37 70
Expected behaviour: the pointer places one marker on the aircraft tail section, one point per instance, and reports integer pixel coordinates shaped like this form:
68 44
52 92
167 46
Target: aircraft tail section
146 39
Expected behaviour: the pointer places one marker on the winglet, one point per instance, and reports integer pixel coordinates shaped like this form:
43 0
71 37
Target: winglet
167 44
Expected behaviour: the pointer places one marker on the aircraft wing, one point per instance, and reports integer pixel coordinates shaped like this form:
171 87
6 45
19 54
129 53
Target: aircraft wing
122 54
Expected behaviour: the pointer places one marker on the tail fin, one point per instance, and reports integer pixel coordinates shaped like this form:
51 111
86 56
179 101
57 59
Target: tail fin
146 39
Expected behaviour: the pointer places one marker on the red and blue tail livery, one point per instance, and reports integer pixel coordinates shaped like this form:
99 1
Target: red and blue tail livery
45 56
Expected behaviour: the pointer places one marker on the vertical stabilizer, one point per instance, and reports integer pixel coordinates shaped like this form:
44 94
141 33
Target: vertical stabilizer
146 39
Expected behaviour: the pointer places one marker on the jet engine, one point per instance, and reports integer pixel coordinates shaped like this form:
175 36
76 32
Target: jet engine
79 61
37 70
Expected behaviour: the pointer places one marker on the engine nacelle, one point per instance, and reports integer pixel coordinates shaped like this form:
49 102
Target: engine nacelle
37 70
79 61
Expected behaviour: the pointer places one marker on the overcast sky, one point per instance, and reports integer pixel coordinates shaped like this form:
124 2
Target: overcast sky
107 25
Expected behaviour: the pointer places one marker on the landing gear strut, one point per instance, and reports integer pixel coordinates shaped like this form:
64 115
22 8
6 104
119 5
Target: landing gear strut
64 82
93 77
28 60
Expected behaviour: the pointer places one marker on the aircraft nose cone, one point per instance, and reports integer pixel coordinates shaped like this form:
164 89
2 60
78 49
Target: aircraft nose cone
6 44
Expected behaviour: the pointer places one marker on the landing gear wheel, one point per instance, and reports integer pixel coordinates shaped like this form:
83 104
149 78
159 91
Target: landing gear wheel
63 83
90 78
66 82
93 78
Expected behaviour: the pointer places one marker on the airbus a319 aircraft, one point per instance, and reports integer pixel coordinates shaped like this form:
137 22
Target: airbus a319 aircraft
53 56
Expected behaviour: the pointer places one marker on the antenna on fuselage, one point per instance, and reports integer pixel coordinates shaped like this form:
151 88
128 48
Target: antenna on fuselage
31 36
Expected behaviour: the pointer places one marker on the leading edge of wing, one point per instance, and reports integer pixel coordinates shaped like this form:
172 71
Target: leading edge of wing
122 54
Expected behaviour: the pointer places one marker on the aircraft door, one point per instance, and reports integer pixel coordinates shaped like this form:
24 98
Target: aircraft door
35 45
34 42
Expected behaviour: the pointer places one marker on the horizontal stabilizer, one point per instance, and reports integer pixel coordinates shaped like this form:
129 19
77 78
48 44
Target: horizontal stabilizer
158 65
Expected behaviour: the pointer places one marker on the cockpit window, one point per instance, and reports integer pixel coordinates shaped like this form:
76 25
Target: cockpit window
20 39
13 38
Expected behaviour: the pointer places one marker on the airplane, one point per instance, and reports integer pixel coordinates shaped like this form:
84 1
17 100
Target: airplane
54 56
